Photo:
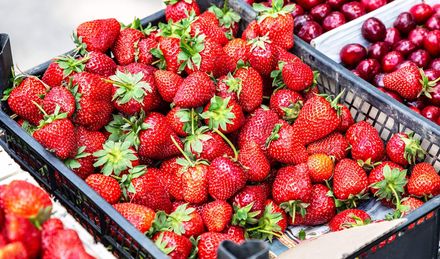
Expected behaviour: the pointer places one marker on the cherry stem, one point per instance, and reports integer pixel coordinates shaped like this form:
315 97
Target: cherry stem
229 143
181 151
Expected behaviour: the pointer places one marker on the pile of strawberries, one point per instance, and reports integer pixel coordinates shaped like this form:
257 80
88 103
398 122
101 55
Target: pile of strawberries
27 231
198 136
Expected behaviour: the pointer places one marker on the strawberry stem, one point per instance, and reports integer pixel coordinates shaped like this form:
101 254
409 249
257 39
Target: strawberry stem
192 121
229 143
181 151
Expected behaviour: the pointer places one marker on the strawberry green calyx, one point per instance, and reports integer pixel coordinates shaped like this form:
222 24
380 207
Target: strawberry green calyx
81 47
70 64
41 217
194 142
149 29
243 215
368 164
115 157
292 207
277 9
267 227
291 112
352 201
357 222
413 149
136 24
127 129
29 128
277 76
235 158
177 30
163 245
219 114
172 2
73 163
226 16
125 181
189 118
234 84
49 118
190 49
259 42
335 101
129 86
392 187
316 75
427 86
274 135
175 219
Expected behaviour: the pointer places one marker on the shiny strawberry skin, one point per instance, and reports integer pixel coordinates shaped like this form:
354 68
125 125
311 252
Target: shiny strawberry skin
365 142
145 46
279 29
209 243
53 76
335 145
297 76
258 127
249 194
251 95
207 23
124 48
225 178
217 215
424 180
195 90
100 64
349 178
376 175
236 49
140 216
195 184
18 229
99 35
286 103
287 147
322 208
405 81
180 244
346 119
106 186
338 222
62 97
167 83
180 10
254 161
292 183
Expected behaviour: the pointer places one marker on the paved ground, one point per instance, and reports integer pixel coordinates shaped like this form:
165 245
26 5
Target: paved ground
40 30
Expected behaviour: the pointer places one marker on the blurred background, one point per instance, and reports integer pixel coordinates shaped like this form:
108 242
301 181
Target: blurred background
42 29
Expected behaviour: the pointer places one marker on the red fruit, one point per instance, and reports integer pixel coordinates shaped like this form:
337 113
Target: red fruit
346 119
412 204
378 50
405 47
105 186
223 114
420 57
391 61
352 54
403 149
431 112
348 219
417 36
125 46
431 42
208 24
186 221
333 20
209 243
287 104
262 55
435 65
167 84
14 250
309 31
392 36
65 243
49 229
235 233
366 144
353 10
302 20
62 97
100 64
140 216
194 181
177 10
252 31
336 4
349 181
225 178
248 205
297 76
254 162
212 145
54 75
320 11
421 12
19 229
98 35
368 68
195 90
145 47
272 222
386 181
373 30
433 23
321 209
170 49
371 5
424 181
216 215
236 50
335 145
404 22
309 4
172 244
228 19
320 167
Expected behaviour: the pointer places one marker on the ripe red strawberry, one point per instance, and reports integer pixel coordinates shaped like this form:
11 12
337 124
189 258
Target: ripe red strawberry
62 97
283 145
334 145
50 228
177 10
186 221
180 120
320 167
207 145
235 234
168 83
225 178
100 64
145 46
166 173
195 90
321 209
348 219
277 23
409 82
298 76
66 243
172 244
366 145
292 189
403 149
287 104
228 19
125 46
15 250
411 204
61 68
216 215
106 186
19 229
209 243
258 127
248 204
168 51
98 35
424 181
140 216
283 55
317 119
208 24
22 97
57 134
346 119
192 180
54 74
236 50
349 182
223 114
273 222
262 55
95 106
254 162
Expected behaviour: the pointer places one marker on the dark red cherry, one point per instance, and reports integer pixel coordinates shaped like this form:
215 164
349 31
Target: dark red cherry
405 47
371 5
435 64
421 12
392 36
368 68
432 43
420 57
419 103
436 8
373 30
333 20
300 20
352 54
432 74
320 11
309 4
417 35
433 23
297 11
431 112
391 60
378 50
309 31
391 94
435 95
353 10
336 4
404 22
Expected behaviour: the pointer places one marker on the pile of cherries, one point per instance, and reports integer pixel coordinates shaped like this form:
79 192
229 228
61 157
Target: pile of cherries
314 17
413 39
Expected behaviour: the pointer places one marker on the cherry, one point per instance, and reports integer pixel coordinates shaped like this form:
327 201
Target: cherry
415 109
368 68
421 12
353 10
309 31
320 11
431 112
392 36
336 4
391 60
373 30
432 74
435 64
297 11
378 50
420 57
352 54
356 73
300 20
404 22
435 95
333 20
371 5
433 23
436 8
378 80
417 35
391 94
432 43
308 4
406 63
418 103
405 47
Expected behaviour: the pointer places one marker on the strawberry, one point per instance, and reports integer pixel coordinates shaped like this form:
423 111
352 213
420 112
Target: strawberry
195 90
285 56
98 35
287 104
179 120
144 47
100 64
61 68
409 82
248 205
348 219
317 119
273 222
321 209
334 145
115 158
22 98
350 182
366 145
346 119
216 215
292 189
225 178
177 10
19 229
186 221
65 243
167 53
207 145
424 181
126 44
252 31
15 250
236 50
50 228
284 146
57 134
262 55
411 204
320 167
209 243
228 19
168 83
223 114
62 97
297 76
403 149
254 161
105 186
277 23
95 106
140 216
166 173
235 233
172 244
208 25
